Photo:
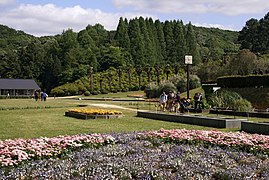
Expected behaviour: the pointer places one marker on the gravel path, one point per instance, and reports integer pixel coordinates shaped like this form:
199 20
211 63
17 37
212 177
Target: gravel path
113 106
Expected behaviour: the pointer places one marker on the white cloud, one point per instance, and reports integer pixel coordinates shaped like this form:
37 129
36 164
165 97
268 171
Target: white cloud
220 26
49 19
6 2
227 7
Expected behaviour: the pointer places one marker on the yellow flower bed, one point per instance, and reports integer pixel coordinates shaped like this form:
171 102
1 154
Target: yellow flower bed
89 111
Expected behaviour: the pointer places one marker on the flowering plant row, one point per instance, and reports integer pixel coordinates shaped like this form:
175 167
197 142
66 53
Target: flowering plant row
14 152
250 142
133 158
96 111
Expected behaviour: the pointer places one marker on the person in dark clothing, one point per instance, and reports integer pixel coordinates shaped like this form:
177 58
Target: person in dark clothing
36 94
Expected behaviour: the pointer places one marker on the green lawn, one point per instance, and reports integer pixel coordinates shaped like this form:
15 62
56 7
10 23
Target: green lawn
26 118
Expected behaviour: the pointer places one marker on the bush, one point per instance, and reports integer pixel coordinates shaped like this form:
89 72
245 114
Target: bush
166 87
228 100
242 105
151 91
181 84
104 91
87 93
58 91
96 92
195 81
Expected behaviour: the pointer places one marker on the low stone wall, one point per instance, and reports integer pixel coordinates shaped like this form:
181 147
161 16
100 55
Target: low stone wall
243 114
85 116
253 127
192 119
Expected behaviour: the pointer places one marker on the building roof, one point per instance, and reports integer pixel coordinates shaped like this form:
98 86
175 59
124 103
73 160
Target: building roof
18 84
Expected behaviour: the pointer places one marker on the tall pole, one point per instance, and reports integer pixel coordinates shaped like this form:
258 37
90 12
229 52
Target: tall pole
91 72
120 73
188 61
188 81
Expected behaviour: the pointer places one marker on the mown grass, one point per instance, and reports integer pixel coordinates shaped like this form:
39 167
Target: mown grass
26 118
32 123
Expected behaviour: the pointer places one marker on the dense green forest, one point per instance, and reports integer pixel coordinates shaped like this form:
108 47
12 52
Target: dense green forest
138 48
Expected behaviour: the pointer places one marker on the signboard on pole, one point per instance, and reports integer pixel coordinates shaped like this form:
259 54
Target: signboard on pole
188 59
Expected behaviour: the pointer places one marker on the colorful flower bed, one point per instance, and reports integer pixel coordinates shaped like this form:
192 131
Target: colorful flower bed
89 111
14 152
163 154
248 142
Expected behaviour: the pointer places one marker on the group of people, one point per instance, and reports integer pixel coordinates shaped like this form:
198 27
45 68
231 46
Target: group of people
38 94
174 103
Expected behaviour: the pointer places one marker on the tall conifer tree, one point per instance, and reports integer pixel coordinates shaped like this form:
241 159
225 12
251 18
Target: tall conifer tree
169 39
121 36
137 44
180 42
192 44
161 45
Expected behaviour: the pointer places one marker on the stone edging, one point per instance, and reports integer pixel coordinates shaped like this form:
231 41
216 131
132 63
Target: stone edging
85 116
253 127
192 119
236 113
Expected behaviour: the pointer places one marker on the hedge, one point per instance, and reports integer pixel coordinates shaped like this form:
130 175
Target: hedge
243 81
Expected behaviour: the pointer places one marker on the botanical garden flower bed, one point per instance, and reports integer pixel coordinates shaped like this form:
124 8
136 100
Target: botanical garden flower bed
93 113
163 154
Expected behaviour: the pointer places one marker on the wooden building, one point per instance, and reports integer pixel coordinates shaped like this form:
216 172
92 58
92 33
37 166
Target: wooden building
18 87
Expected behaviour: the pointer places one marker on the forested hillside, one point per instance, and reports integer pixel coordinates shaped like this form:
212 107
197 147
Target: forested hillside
56 60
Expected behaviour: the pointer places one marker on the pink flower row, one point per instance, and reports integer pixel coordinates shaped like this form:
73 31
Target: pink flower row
13 152
234 139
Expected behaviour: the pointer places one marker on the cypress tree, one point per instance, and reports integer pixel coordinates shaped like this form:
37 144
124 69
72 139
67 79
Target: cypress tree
121 36
153 39
192 45
180 42
147 41
168 35
137 44
161 45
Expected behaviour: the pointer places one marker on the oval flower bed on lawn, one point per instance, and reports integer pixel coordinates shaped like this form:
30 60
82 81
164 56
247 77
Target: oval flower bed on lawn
162 154
89 113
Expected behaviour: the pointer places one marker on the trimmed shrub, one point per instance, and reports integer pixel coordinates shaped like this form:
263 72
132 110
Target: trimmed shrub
87 93
243 81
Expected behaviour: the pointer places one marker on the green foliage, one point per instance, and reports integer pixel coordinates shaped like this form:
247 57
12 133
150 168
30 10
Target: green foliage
259 97
254 35
65 58
194 81
166 87
87 93
244 81
228 100
181 83
245 60
152 91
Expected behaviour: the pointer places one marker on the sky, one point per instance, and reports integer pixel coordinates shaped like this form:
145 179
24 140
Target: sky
47 17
